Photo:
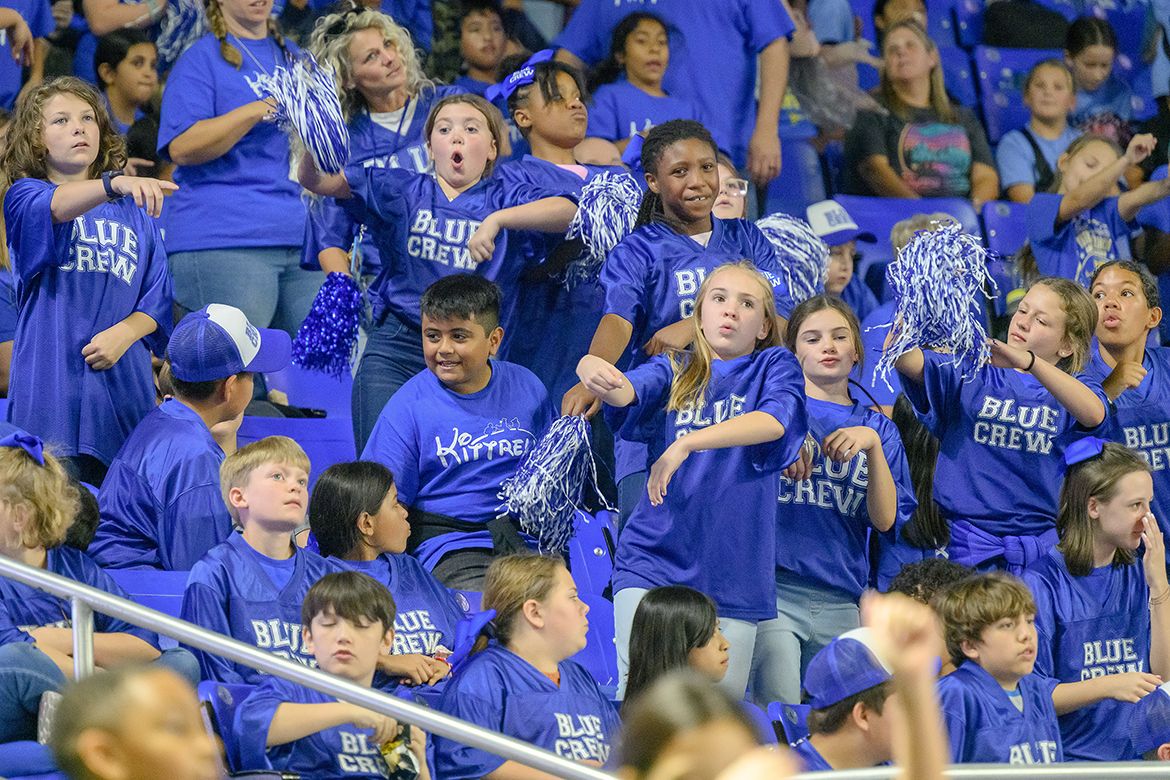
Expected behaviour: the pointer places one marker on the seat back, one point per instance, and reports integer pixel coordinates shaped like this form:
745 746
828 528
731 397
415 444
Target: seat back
1001 75
793 719
222 701
599 656
968 15
161 590
326 441
591 551
1006 226
314 390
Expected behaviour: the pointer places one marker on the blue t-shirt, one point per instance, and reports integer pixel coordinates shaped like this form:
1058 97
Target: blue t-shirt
713 52
1113 97
1075 248
8 313
502 692
1008 424
38 14
26 608
1016 160
874 329
1090 627
1140 419
986 728
231 591
450 452
422 236
715 530
74 280
860 298
620 111
391 140
221 202
160 503
472 86
822 523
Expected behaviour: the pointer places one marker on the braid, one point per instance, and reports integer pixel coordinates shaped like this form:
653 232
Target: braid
650 211
276 35
219 29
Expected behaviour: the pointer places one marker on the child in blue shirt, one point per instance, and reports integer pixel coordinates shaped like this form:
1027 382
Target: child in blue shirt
24 26
1101 610
251 587
1026 158
522 684
90 270
996 710
483 44
1103 99
161 505
832 223
126 62
1084 223
719 422
348 620
457 430
628 97
359 524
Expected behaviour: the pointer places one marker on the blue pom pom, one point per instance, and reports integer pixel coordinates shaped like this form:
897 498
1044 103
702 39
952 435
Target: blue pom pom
800 252
606 213
308 104
327 339
184 23
549 486
937 280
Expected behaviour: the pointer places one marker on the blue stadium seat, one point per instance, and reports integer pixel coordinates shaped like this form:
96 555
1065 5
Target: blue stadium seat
793 718
221 701
161 590
800 183
314 390
968 22
590 557
327 441
599 657
1001 79
940 23
1128 21
764 726
959 76
28 760
1006 226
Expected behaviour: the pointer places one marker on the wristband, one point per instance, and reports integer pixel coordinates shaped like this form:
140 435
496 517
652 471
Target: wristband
1032 362
108 182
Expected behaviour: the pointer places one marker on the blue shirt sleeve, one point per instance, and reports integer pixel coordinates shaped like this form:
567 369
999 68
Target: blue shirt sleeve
189 97
586 35
1042 214
32 235
936 397
642 420
206 605
764 22
394 443
623 277
603 115
1015 160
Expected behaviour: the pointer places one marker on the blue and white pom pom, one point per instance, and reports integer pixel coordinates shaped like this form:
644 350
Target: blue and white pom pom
184 23
937 280
327 339
549 486
307 104
606 213
800 252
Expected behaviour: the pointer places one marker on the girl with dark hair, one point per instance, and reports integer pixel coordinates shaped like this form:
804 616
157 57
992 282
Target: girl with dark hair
358 523
1104 101
126 64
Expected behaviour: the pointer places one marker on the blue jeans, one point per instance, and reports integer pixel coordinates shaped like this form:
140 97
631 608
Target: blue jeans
25 674
808 617
266 283
392 356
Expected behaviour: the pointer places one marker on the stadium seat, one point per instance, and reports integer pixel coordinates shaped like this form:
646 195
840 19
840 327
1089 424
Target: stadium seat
161 590
28 760
801 182
793 718
1001 78
940 23
591 551
958 76
314 390
968 22
1005 225
221 701
764 724
599 657
326 441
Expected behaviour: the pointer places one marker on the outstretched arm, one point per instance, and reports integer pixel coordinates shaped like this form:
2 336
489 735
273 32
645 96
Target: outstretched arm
333 185
547 215
1094 189
1070 392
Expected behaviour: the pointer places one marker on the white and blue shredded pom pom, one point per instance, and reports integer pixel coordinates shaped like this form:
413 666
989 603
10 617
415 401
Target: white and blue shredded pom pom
606 212
327 339
549 486
937 281
800 252
307 104
184 23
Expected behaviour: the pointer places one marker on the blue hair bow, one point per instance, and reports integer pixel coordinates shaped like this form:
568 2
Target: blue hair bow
27 442
526 74
1083 449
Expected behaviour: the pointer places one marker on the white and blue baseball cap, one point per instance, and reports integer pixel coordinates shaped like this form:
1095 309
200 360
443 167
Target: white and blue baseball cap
845 667
832 223
218 341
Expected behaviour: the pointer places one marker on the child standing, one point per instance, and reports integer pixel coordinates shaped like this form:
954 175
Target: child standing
1026 158
859 485
996 710
161 504
251 587
483 43
628 96
1013 418
1104 101
522 683
457 430
1102 612
424 226
90 270
733 408
348 620
1084 222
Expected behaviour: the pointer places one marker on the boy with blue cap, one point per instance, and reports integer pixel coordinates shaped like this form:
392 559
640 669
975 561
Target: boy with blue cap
161 505
832 223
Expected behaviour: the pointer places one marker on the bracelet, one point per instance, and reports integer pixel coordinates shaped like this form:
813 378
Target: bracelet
108 182
1160 599
1032 362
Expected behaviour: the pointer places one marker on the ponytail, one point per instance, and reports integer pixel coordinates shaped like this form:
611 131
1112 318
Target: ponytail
219 29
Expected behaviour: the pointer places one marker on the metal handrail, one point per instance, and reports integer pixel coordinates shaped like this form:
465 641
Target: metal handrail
86 599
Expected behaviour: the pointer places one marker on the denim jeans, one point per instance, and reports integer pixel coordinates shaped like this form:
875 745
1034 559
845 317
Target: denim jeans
392 356
25 674
266 283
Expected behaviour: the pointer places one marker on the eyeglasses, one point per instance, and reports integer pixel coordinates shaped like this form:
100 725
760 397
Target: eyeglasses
734 188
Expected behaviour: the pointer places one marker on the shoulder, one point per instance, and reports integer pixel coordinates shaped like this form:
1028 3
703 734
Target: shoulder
77 565
218 561
516 374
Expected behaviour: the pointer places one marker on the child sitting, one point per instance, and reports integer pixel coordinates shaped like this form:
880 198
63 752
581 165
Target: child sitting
483 44
1104 101
1026 158
996 710
348 621
832 223
251 586
160 504
454 433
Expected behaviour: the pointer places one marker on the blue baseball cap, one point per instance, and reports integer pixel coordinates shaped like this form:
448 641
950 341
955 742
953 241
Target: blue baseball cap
1149 726
832 223
218 341
845 667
